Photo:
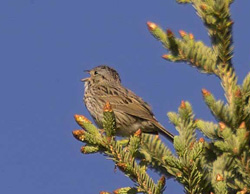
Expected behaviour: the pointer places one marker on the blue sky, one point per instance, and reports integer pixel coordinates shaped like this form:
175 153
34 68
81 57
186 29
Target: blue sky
46 44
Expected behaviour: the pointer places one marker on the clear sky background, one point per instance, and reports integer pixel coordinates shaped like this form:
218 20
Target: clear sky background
44 47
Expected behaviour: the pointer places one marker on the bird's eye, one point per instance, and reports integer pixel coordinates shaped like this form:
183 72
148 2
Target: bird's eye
95 73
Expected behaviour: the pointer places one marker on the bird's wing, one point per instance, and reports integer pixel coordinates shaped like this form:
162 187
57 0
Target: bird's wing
124 100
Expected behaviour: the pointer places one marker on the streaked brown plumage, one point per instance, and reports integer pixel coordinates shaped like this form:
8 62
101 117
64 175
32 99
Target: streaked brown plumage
132 113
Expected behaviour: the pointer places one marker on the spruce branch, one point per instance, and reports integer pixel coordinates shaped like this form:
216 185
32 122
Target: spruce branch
188 166
243 164
109 122
124 157
220 111
90 149
186 128
134 143
158 156
221 172
215 60
217 19
127 164
209 129
185 49
193 173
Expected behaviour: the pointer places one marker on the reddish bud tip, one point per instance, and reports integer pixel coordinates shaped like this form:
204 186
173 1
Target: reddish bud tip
151 25
191 36
78 132
242 125
116 191
205 92
244 191
138 133
107 107
83 149
81 118
178 174
222 126
122 166
219 177
182 33
77 116
191 145
202 140
104 192
203 7
183 105
162 181
238 93
169 32
196 120
165 56
235 150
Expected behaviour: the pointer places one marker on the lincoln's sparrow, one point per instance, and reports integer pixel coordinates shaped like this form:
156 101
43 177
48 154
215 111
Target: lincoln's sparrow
131 112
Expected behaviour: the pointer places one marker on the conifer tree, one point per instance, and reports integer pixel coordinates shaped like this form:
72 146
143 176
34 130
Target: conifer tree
217 163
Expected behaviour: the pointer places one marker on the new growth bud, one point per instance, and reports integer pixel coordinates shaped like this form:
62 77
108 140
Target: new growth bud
79 134
107 107
104 192
83 150
81 118
191 36
162 179
205 92
165 56
182 33
183 105
219 177
151 26
162 182
122 166
203 7
222 126
201 140
238 93
242 125
170 33
138 133
244 191
235 150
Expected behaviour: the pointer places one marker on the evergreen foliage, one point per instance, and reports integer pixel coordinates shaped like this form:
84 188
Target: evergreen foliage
219 164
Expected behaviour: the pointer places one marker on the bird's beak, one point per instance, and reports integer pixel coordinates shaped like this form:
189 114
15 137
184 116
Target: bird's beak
87 78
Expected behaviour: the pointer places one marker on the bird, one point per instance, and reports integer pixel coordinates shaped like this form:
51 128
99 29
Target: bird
131 111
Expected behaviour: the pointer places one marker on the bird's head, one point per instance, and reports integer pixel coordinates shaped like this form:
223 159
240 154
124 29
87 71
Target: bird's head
103 74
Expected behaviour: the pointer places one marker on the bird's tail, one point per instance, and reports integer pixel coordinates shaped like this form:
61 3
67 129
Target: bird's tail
164 132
